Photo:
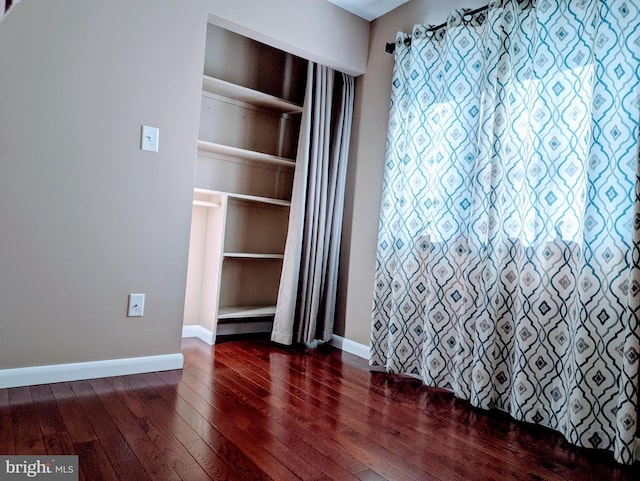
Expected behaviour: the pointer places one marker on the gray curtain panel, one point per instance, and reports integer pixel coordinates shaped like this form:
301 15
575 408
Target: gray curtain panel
307 295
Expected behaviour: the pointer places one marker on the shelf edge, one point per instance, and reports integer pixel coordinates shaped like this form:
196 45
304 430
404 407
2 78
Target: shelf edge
250 198
252 255
241 312
252 155
248 95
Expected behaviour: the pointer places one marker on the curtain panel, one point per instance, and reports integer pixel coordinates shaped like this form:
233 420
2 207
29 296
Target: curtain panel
508 266
305 308
5 7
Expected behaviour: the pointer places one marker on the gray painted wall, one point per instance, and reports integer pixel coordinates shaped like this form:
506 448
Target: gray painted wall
85 216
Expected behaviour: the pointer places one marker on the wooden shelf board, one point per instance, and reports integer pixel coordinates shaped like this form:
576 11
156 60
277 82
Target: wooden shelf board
214 148
247 95
251 198
242 312
205 203
207 198
252 255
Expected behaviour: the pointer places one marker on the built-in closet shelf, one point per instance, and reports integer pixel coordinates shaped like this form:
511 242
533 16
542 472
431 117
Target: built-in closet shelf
251 114
250 198
246 312
250 96
214 148
206 203
207 198
252 255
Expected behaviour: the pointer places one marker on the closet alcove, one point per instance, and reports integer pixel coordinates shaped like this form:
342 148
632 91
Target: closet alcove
252 102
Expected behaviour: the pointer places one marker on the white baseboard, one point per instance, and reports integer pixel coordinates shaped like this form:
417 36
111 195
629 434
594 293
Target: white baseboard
200 332
206 335
351 347
30 376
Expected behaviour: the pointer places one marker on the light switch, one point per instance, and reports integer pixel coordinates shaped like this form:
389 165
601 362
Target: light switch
150 138
136 305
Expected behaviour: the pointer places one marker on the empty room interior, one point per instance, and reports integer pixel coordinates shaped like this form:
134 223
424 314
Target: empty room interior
375 240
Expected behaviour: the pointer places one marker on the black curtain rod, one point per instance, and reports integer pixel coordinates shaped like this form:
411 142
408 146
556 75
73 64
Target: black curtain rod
390 47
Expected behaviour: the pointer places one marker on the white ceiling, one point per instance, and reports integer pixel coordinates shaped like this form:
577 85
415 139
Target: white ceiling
368 9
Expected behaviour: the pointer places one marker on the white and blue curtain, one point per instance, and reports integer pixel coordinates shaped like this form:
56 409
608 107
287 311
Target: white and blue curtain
508 266
5 7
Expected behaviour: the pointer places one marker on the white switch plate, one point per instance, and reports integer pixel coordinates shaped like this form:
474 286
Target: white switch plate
150 138
136 305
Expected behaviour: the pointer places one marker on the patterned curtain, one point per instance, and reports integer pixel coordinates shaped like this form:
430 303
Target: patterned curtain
508 266
5 7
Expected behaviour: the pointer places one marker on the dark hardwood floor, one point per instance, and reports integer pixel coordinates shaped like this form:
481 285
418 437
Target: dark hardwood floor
250 410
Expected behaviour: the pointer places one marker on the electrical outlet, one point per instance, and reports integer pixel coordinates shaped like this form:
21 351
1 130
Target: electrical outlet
136 305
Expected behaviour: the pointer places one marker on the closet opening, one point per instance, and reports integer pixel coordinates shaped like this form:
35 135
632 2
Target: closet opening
252 102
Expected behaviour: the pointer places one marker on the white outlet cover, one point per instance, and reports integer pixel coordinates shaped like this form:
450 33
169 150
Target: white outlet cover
136 305
150 138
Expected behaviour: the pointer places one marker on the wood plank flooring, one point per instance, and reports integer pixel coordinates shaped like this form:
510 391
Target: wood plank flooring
249 410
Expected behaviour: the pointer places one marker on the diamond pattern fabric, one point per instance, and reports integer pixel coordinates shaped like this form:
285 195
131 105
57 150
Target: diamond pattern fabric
508 266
